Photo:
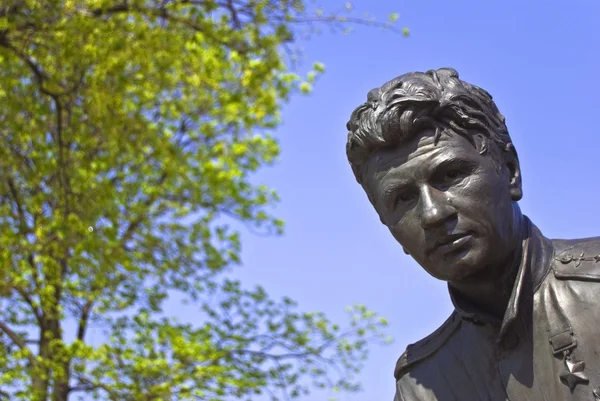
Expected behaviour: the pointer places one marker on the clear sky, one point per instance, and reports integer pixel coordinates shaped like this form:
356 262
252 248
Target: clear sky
540 60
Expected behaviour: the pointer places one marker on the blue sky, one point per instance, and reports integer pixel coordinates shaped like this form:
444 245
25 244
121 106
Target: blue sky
540 62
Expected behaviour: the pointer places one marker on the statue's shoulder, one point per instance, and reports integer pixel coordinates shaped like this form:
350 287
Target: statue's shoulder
577 259
426 347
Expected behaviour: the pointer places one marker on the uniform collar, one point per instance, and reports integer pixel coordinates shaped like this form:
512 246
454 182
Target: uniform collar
535 258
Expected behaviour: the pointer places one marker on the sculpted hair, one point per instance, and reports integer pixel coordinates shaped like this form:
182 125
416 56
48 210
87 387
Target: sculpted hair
436 99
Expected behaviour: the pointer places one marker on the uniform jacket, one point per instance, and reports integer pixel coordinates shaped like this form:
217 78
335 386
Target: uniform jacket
547 347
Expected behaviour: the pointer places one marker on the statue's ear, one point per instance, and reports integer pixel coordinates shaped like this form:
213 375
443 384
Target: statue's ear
481 143
511 161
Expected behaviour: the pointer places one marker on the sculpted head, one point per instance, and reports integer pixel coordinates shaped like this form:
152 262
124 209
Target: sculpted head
434 156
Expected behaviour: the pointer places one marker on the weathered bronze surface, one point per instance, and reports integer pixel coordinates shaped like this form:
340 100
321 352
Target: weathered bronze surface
436 161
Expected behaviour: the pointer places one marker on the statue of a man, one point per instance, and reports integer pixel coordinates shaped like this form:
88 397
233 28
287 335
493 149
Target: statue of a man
434 156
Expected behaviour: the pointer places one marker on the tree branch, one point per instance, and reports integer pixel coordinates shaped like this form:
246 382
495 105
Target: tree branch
29 300
87 385
39 75
23 229
343 20
83 320
162 13
134 224
18 341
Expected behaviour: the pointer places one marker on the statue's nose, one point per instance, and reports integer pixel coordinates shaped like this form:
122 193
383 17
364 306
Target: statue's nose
435 208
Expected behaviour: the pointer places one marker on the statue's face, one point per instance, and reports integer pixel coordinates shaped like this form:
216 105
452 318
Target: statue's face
446 204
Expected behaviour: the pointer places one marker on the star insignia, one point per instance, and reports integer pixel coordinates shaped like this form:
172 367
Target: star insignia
579 260
597 258
575 374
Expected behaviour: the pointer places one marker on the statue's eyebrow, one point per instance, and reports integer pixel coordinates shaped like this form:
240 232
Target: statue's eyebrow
395 186
452 162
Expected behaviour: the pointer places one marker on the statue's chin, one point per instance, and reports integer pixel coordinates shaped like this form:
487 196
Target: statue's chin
465 266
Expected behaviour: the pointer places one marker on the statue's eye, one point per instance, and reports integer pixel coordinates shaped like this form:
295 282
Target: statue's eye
406 196
452 174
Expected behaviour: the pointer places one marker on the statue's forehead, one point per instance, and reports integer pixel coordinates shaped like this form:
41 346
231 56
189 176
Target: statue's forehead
421 150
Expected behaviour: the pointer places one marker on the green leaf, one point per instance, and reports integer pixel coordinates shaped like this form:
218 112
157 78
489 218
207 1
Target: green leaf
305 87
130 135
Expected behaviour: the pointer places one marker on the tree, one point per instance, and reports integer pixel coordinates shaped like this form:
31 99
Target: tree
129 132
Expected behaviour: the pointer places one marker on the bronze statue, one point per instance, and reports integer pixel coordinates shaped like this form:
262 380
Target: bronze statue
434 156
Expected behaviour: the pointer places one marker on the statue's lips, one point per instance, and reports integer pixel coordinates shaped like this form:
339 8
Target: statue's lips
451 242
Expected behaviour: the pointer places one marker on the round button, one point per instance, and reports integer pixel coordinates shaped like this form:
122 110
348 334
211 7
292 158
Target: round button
566 258
510 341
